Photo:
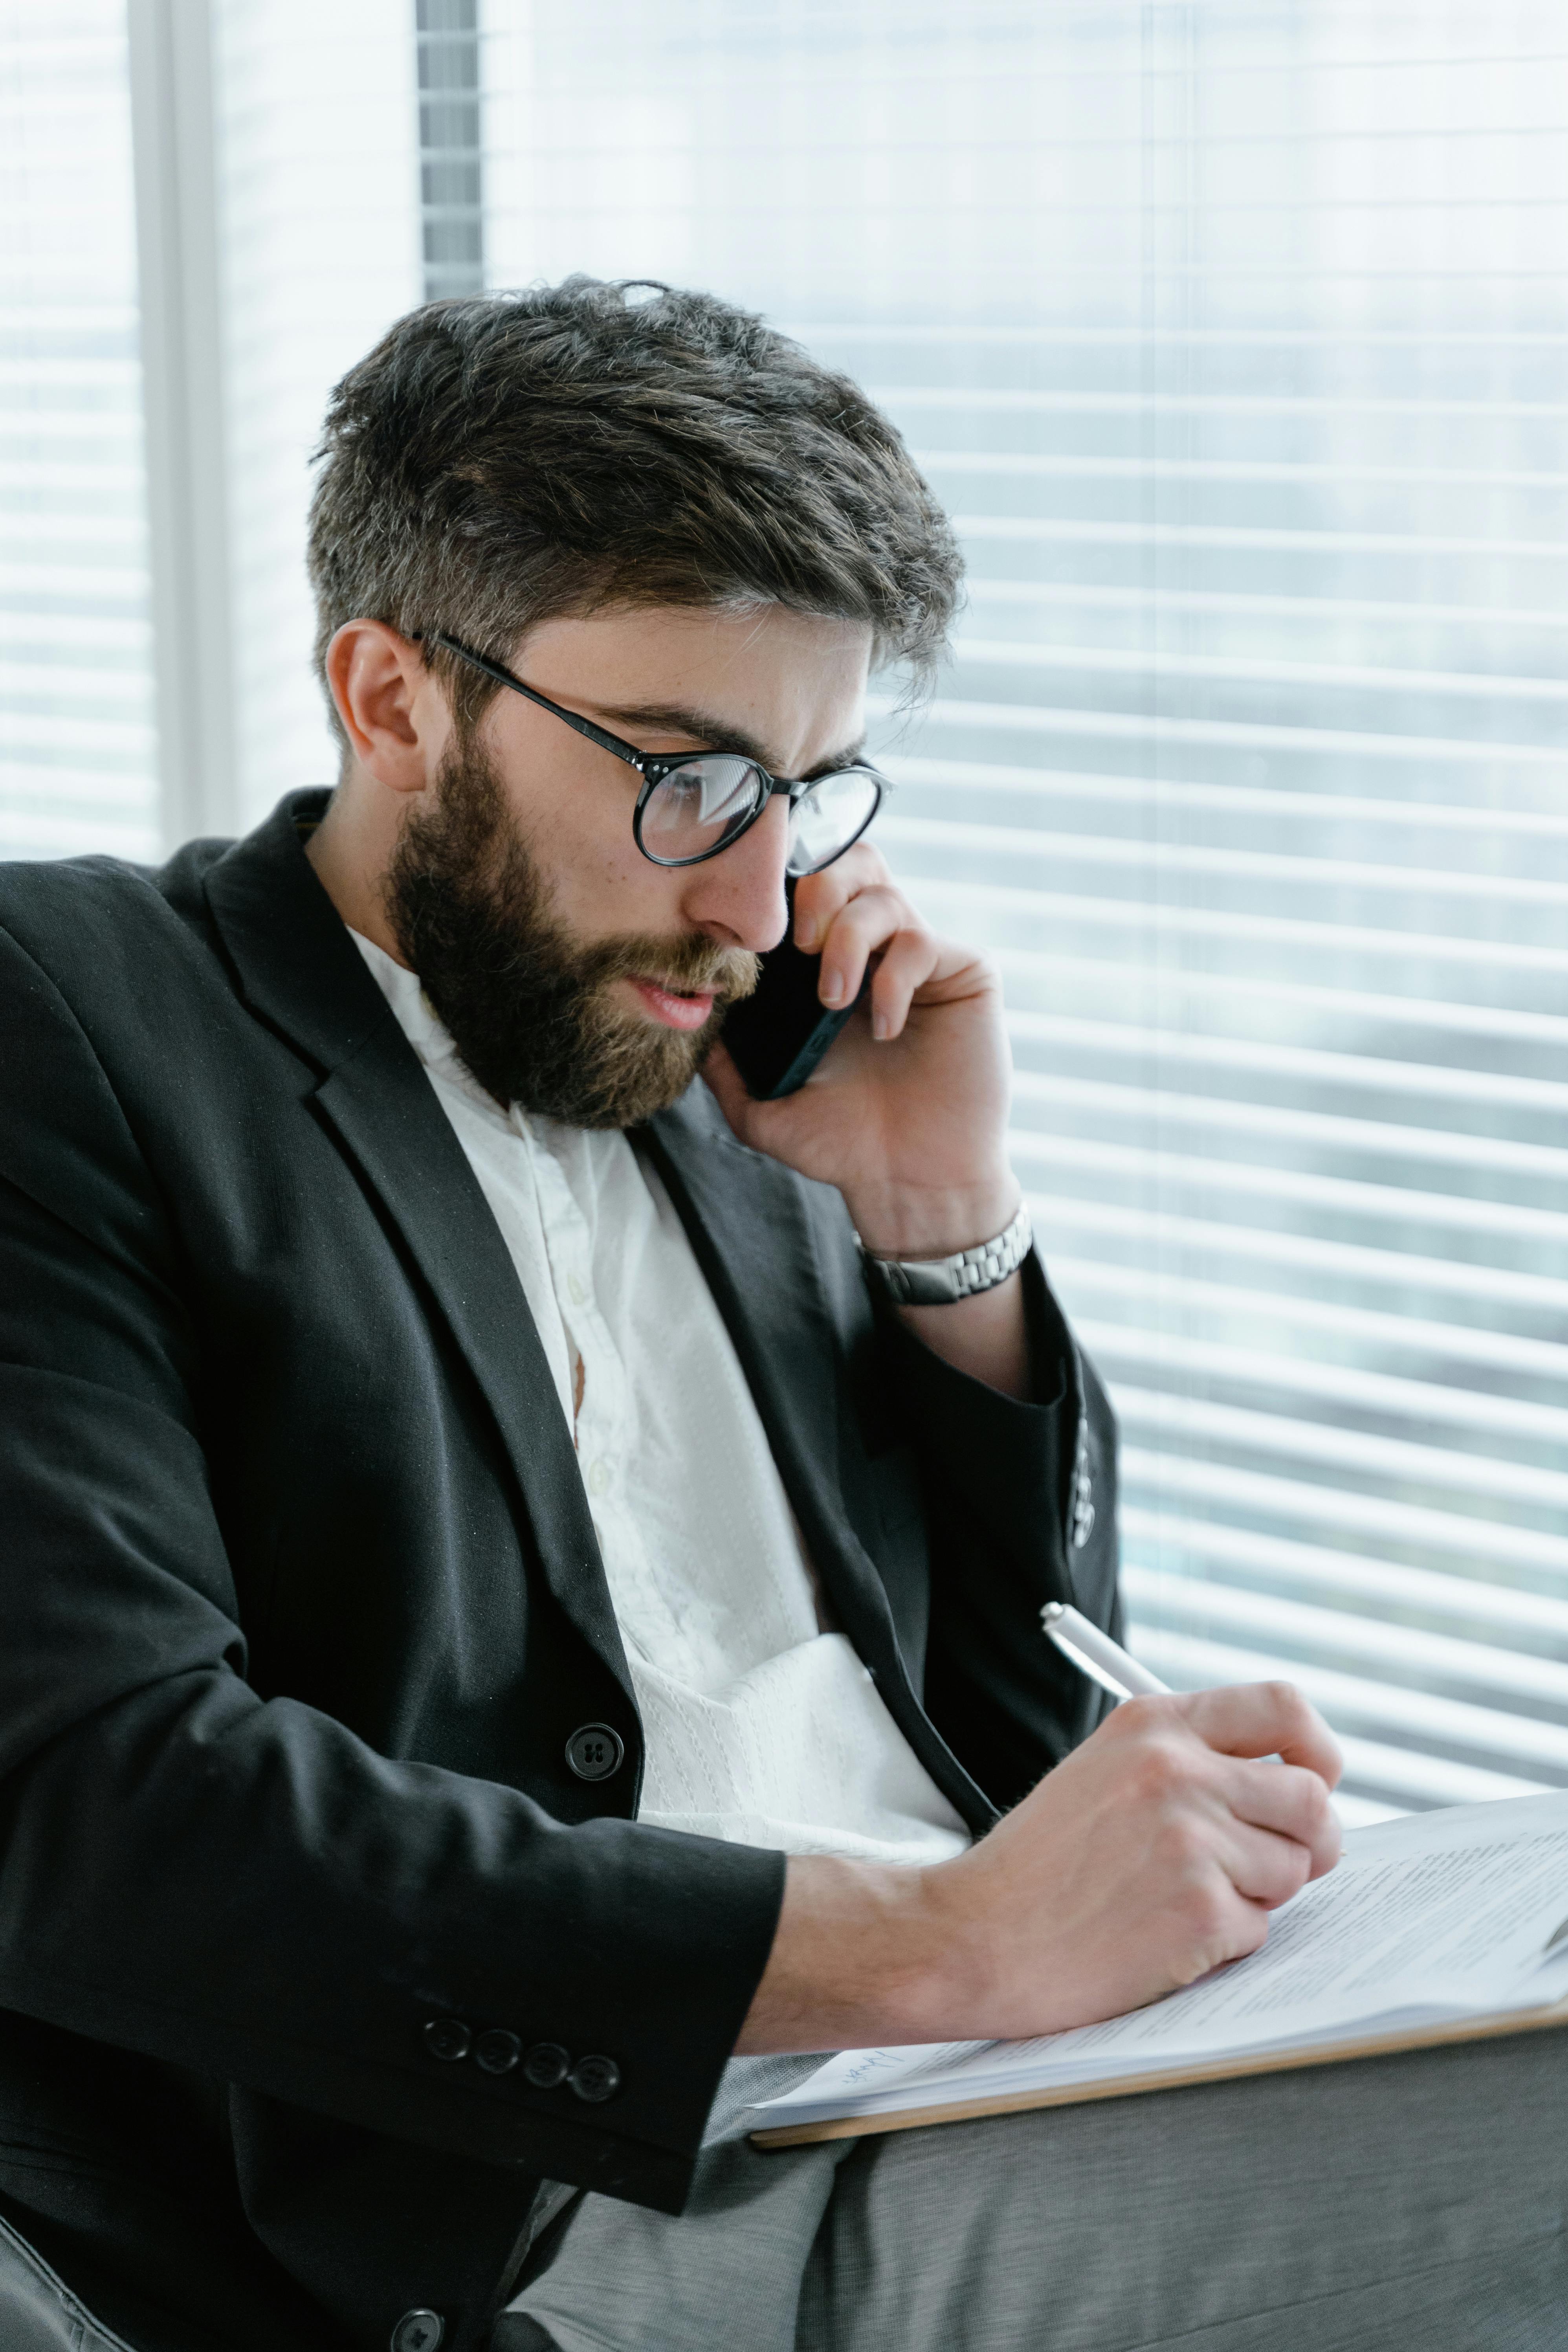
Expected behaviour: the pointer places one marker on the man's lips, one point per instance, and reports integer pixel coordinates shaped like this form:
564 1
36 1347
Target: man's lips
675 1009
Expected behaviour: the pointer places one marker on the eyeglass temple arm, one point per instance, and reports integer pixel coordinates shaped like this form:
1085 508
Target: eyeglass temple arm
600 735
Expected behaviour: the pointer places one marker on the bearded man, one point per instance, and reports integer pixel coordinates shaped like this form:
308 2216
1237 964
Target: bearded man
514 1626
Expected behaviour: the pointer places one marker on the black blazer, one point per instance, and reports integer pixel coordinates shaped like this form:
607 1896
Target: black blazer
300 1603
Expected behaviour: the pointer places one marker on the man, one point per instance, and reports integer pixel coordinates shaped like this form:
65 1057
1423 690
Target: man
504 1607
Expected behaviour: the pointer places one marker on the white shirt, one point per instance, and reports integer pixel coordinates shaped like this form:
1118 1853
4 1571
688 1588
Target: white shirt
758 1726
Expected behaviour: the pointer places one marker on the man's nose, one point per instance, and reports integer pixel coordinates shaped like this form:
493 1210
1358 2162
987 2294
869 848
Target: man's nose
738 897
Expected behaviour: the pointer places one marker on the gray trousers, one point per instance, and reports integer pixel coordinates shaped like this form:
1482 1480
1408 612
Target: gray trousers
1410 2204
38 2312
1403 2204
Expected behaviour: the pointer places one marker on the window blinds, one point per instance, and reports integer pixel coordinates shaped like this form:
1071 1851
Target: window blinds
77 740
1237 339
1252 769
451 201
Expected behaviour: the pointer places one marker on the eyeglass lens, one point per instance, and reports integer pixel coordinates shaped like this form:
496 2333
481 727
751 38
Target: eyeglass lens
826 820
697 808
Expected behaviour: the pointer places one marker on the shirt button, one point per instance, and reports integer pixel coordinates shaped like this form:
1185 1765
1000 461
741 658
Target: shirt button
418 2331
599 1477
448 2038
575 1290
497 2052
595 2079
545 2065
595 1751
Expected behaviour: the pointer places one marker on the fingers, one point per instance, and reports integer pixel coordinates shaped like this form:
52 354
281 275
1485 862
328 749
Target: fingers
1291 1804
1264 1719
819 897
1267 1825
878 922
882 924
1265 1869
851 912
1286 1802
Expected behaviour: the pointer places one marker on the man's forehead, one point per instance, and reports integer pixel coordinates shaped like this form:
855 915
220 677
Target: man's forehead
767 682
712 730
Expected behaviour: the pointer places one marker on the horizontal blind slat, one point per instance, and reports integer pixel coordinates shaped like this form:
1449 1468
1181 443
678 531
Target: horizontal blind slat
1482 1673
1474 1733
1254 1557
1438 1080
1178 798
1301 1505
1148 1164
1184 1296
994 653
1037 719
1358 1137
1450 1407
1013 842
1053 910
1281 1254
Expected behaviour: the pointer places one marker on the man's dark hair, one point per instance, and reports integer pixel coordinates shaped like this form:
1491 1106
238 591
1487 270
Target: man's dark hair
500 460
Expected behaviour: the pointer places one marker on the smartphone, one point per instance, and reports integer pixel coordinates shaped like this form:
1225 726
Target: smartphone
778 1034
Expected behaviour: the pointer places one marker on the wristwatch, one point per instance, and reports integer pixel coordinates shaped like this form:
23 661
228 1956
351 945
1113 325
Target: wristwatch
943 1281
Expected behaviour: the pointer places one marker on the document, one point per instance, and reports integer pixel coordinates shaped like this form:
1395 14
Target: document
1437 1927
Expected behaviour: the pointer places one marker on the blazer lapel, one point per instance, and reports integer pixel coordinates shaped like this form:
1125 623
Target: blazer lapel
301 973
749 1226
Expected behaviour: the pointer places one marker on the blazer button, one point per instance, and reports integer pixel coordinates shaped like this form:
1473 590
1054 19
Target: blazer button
595 2079
446 2038
418 2331
545 2065
497 2052
595 1752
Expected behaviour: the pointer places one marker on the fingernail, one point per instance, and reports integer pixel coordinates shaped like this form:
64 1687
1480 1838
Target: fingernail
831 989
880 1025
805 933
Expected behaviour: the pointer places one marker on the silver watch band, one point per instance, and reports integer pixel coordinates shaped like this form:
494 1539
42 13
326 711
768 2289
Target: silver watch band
941 1281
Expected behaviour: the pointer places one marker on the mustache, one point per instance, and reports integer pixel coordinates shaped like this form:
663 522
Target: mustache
689 966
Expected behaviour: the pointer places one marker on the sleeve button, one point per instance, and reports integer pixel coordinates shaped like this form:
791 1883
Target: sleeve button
448 2038
497 2052
595 1752
545 2065
418 2331
595 2079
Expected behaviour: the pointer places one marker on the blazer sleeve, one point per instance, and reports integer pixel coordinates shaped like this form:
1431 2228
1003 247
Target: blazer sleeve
1020 1509
243 1887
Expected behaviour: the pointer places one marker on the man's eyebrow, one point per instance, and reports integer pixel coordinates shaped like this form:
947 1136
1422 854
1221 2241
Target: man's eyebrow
848 757
707 732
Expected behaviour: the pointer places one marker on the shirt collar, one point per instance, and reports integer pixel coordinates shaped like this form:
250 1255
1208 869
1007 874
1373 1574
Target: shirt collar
419 1020
416 1015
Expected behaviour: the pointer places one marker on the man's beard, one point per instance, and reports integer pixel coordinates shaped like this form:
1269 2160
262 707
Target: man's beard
534 1014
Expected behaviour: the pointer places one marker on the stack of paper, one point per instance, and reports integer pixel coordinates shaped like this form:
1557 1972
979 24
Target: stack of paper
1438 1927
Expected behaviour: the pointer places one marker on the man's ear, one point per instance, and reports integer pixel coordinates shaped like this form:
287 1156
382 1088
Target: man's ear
393 711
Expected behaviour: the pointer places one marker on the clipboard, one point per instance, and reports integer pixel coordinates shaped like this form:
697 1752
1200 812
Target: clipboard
1172 2078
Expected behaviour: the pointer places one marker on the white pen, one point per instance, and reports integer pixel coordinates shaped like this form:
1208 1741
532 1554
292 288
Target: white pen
1094 1653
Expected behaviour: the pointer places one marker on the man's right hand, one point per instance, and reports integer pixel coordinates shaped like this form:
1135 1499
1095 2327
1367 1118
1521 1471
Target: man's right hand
1155 1851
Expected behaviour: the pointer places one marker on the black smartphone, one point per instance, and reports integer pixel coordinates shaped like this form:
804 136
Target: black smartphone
778 1034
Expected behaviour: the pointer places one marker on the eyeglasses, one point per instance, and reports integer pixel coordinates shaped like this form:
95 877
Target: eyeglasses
692 804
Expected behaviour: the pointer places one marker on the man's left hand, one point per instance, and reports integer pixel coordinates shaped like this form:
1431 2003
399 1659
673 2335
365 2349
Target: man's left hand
907 1113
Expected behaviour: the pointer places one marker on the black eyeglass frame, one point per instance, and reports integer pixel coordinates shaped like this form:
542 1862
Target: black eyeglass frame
656 767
